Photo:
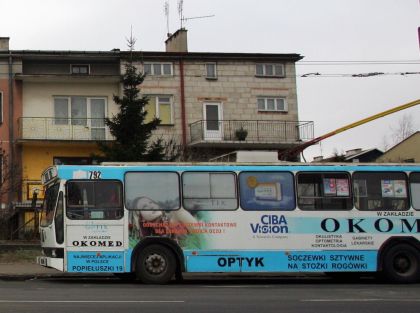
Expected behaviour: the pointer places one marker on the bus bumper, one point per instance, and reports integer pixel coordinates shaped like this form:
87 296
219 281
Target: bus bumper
57 263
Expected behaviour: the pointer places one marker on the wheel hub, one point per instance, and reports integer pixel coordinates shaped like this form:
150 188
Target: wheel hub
155 264
402 264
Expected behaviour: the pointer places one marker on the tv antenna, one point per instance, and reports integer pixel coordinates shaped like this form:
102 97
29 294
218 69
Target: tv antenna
181 11
166 8
184 19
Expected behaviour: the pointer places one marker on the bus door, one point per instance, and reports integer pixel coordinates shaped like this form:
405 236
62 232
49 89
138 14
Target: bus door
52 227
94 226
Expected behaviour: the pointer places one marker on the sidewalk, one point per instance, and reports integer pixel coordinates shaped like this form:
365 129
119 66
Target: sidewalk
24 271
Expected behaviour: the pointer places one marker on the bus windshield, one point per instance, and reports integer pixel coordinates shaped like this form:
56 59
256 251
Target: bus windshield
50 199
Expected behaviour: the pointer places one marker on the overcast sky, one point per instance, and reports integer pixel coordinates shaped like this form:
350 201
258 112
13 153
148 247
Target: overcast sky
323 30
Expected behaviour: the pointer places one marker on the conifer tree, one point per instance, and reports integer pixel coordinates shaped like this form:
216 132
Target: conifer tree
129 127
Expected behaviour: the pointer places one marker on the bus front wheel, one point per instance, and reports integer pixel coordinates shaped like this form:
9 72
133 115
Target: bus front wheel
156 264
401 264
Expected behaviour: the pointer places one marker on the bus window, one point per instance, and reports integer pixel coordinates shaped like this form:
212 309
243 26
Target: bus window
323 191
94 200
152 191
50 199
267 191
209 191
415 190
380 191
59 220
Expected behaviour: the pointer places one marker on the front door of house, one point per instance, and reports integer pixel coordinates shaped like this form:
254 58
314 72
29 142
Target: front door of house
213 124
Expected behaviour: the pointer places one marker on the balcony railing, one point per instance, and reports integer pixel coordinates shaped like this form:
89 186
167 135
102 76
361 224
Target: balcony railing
273 132
50 128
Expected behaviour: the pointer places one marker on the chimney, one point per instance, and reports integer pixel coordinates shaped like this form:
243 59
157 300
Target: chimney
4 43
177 42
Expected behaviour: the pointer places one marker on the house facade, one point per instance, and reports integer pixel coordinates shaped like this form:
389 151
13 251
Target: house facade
207 99
10 110
209 103
406 151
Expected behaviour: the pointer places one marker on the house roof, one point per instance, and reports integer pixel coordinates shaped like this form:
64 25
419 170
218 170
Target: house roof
271 57
402 141
362 153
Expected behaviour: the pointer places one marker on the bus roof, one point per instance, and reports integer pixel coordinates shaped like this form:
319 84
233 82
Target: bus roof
118 170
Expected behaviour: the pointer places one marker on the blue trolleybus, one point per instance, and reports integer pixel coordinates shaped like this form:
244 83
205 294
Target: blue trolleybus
156 221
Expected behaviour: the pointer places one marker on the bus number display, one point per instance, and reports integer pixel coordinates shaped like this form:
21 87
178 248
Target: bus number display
95 174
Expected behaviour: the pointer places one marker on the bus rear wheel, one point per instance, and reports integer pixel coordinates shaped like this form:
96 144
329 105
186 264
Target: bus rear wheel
401 264
156 264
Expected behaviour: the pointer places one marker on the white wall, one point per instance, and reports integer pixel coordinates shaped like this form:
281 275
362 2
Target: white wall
38 98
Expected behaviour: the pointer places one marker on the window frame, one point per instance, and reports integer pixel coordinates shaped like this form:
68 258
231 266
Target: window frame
95 207
69 119
235 177
264 73
293 187
48 206
59 218
275 98
157 107
153 172
322 197
369 198
64 160
162 69
412 193
79 67
210 77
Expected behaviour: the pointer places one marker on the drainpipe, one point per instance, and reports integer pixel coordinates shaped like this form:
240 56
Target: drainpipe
11 131
183 117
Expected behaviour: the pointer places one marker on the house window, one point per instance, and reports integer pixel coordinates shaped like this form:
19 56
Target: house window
211 71
74 161
78 69
74 108
1 107
82 111
160 107
269 70
271 104
158 69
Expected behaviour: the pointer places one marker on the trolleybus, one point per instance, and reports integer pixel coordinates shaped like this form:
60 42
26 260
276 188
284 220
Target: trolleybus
156 221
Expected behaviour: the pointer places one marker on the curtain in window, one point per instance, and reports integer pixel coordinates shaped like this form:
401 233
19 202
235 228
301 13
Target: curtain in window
61 111
79 111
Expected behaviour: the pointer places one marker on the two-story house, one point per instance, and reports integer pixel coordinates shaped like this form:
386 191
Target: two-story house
210 103
219 102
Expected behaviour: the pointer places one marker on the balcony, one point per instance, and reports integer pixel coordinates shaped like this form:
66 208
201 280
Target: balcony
62 129
259 134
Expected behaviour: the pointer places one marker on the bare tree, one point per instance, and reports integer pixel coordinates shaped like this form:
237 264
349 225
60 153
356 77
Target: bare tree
385 143
405 128
10 183
6 185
